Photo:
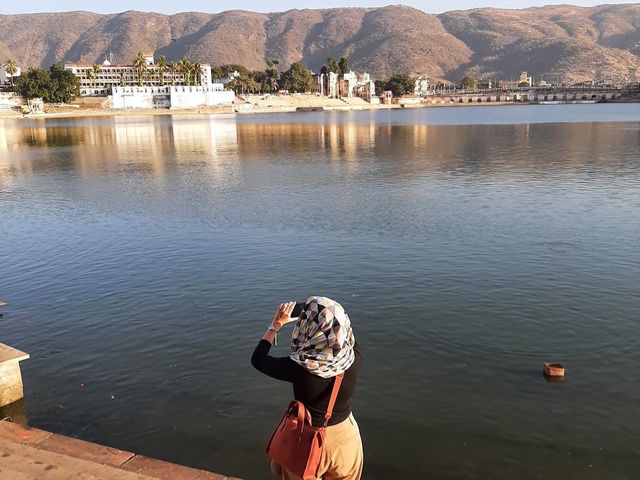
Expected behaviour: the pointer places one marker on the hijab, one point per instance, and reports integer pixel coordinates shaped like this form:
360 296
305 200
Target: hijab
322 341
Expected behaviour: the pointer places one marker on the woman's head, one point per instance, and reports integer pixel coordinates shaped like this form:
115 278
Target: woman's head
322 340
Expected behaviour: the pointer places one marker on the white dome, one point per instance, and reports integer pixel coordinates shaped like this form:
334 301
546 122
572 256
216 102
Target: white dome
106 63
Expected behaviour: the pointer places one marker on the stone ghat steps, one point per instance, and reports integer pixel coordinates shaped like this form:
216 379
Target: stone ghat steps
33 454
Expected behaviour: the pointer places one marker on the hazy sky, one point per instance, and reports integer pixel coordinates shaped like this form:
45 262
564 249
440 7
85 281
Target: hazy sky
173 6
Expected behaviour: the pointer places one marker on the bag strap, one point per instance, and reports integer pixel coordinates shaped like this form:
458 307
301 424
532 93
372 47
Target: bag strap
332 400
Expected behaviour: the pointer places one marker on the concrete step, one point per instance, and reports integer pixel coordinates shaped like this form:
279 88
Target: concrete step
34 454
34 464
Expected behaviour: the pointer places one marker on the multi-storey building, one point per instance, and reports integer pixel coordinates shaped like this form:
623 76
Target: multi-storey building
100 79
345 85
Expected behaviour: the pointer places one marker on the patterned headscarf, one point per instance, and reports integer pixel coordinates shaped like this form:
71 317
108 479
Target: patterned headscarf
322 340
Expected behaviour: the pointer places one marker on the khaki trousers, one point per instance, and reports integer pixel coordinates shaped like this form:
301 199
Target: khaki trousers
342 457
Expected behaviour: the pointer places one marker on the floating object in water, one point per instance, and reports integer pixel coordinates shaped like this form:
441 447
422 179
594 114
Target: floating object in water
554 369
2 304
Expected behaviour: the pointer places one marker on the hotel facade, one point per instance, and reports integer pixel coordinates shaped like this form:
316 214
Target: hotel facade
100 80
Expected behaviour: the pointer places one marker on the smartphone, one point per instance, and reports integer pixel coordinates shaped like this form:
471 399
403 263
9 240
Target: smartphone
297 309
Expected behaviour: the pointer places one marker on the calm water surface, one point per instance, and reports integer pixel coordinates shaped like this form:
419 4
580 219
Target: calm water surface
142 259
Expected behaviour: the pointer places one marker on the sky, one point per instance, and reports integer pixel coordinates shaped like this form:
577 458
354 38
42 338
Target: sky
212 6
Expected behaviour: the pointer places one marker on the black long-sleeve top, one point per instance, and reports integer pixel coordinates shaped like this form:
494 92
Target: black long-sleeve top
311 390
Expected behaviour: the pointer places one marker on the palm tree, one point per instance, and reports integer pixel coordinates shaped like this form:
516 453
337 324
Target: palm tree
272 71
163 66
96 70
122 81
173 66
197 69
181 67
140 64
11 68
186 67
90 76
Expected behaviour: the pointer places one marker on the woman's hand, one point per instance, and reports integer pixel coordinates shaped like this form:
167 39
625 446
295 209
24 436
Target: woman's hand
283 315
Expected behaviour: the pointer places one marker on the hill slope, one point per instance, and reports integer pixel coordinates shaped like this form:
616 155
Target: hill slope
574 43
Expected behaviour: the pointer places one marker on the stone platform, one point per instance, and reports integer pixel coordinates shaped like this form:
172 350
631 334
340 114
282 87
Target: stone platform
32 454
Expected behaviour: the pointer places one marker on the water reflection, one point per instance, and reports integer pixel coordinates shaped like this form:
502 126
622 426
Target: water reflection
155 144
158 144
151 144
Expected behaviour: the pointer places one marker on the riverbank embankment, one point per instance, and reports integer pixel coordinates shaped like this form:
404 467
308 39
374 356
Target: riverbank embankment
30 453
250 104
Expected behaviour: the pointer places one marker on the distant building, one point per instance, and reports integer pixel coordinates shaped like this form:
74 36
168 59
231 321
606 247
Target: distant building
365 87
35 105
347 84
350 84
99 80
525 80
422 87
325 84
485 84
5 78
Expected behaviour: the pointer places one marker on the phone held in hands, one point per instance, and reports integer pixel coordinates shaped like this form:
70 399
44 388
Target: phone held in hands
297 309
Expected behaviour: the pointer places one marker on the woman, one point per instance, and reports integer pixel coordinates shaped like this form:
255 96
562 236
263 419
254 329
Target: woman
322 347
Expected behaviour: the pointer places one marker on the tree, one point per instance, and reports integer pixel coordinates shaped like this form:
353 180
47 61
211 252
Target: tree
272 68
332 65
35 83
225 70
186 67
91 76
11 68
174 67
244 84
343 65
122 79
297 79
163 66
65 86
96 70
469 83
56 85
197 71
401 84
140 64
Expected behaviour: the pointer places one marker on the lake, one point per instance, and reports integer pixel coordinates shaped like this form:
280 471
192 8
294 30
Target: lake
143 257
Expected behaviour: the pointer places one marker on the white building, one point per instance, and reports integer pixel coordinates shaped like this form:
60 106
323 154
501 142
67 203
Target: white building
422 87
366 87
5 78
168 96
100 79
347 85
325 84
525 79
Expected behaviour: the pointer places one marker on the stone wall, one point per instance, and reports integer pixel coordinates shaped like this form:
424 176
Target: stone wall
174 97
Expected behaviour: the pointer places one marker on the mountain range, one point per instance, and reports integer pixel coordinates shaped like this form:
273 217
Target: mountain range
569 42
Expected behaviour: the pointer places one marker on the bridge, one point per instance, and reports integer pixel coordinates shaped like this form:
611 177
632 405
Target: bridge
536 95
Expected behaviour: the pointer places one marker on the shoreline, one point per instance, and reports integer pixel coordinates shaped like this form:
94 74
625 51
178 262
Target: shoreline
235 110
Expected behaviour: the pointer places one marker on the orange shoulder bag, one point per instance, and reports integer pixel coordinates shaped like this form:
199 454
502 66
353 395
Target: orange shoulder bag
296 444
